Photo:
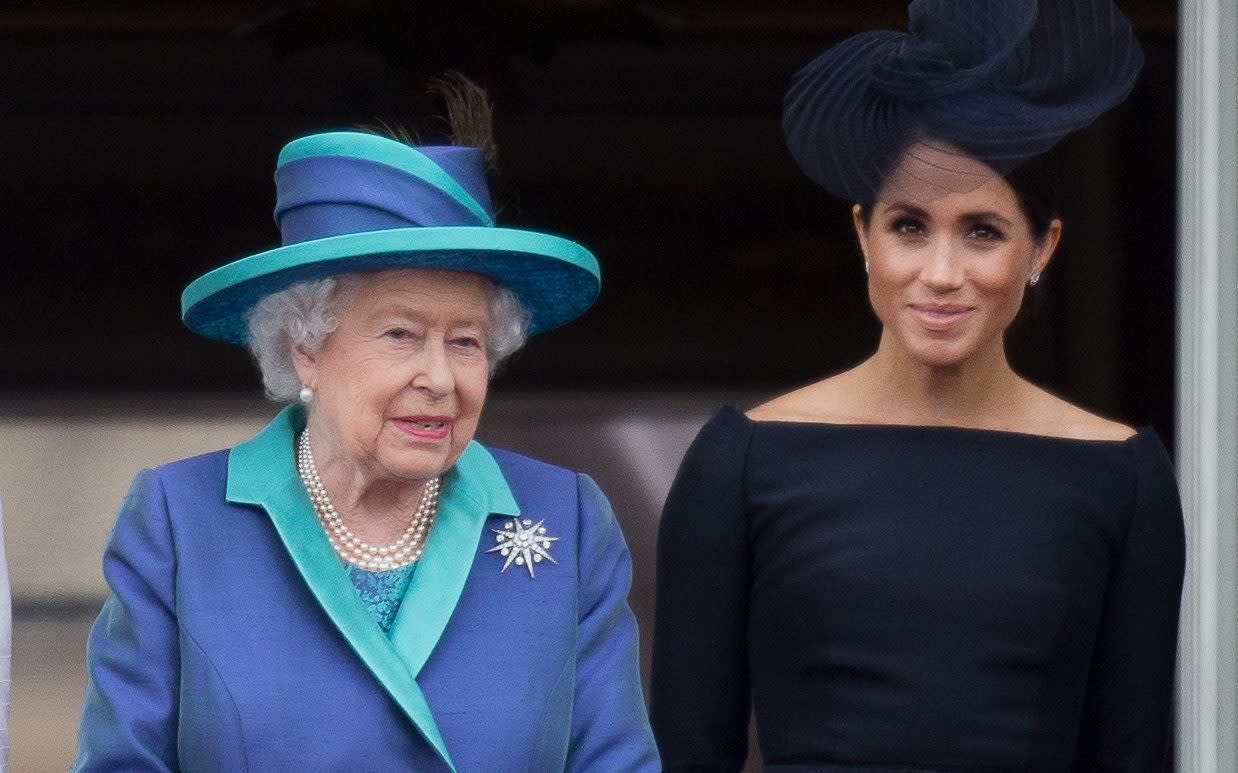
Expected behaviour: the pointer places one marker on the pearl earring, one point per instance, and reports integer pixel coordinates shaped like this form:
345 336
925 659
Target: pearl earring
306 395
1034 279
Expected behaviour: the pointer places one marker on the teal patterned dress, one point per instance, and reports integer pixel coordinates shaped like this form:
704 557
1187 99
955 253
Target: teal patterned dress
381 592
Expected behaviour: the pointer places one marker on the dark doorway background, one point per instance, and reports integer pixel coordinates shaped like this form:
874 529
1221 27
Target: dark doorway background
139 140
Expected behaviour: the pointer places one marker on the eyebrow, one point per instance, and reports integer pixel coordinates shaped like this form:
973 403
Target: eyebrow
910 209
396 309
986 215
400 311
913 210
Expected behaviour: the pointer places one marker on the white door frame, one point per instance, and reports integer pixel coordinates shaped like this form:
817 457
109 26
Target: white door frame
1207 717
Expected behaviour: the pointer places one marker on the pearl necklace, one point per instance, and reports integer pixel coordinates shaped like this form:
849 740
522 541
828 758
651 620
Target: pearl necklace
347 545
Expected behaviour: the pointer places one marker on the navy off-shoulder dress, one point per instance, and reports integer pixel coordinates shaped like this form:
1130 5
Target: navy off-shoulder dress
895 598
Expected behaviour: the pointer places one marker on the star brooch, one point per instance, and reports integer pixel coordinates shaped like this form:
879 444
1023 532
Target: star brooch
523 543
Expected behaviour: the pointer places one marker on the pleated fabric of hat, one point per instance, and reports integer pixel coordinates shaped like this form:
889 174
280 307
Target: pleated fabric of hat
994 81
353 201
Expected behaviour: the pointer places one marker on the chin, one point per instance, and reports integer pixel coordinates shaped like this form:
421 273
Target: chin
416 465
941 354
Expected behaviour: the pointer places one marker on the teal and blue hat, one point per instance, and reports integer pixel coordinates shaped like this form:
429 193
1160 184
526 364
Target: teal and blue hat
351 201
1001 80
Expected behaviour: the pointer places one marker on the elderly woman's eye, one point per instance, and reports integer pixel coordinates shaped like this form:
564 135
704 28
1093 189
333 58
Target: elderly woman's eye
467 342
397 334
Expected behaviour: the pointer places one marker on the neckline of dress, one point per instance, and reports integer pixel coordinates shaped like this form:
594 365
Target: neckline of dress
943 428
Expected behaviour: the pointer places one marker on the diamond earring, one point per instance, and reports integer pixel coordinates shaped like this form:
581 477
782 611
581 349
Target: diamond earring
866 267
1034 279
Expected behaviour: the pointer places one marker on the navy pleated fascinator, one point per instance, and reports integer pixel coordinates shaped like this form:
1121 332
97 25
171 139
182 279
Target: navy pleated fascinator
1001 81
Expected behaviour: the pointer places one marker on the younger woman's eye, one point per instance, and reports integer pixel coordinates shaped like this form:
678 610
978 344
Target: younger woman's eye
986 232
907 226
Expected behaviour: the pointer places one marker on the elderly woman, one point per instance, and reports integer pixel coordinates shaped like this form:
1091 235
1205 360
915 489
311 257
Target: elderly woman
926 562
362 585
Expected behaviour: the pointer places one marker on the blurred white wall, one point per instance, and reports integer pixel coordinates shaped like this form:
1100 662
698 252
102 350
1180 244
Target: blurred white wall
6 649
64 466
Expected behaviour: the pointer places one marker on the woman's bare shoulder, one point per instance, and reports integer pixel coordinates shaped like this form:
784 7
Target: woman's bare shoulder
826 401
1058 417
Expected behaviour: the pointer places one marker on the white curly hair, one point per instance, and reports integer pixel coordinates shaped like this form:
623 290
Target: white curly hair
304 315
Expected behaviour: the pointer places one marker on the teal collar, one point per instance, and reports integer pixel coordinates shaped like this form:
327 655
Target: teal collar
262 471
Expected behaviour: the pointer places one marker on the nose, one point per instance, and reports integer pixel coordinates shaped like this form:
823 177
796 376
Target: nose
942 270
433 375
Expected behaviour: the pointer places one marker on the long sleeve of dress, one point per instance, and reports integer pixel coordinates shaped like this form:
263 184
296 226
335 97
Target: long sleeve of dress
129 719
1127 718
700 668
610 728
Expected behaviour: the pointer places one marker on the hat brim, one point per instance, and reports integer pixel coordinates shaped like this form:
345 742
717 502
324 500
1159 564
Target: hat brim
556 279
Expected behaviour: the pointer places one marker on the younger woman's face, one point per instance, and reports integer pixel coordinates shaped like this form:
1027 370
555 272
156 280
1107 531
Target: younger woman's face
947 270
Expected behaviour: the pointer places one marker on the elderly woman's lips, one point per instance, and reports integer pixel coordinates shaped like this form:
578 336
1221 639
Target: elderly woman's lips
424 427
939 317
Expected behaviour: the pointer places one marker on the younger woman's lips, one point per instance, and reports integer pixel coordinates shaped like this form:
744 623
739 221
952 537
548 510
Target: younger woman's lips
939 318
424 427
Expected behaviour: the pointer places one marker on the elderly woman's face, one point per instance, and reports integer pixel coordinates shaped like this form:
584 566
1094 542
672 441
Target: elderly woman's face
399 385
947 270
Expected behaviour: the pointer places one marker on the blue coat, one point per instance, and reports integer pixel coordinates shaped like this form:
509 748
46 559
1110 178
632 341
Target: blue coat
233 641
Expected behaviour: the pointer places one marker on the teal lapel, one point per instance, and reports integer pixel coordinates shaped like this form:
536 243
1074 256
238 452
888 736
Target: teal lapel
473 489
261 471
